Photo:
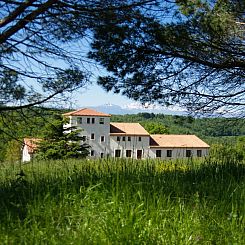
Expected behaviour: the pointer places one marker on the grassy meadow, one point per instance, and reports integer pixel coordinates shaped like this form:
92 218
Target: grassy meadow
114 201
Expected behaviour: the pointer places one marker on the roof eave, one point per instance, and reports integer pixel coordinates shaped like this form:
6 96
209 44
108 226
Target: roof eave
182 147
125 134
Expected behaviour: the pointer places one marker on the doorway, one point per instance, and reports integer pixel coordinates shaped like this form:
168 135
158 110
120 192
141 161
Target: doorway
139 154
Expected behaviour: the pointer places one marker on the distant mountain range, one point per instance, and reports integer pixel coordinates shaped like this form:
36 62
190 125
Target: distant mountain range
135 108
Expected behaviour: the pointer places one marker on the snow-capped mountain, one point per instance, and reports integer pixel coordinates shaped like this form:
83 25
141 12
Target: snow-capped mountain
134 108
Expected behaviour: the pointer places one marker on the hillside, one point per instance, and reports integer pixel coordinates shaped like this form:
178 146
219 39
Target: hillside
15 126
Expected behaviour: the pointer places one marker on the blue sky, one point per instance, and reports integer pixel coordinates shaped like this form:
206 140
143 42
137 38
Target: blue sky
94 95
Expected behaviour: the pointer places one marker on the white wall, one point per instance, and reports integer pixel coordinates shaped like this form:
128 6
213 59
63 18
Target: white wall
133 145
26 157
177 152
94 128
111 144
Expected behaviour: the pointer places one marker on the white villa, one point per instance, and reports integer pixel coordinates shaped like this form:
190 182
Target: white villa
129 140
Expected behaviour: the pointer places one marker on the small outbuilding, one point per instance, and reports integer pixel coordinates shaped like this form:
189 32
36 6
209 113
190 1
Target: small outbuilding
29 148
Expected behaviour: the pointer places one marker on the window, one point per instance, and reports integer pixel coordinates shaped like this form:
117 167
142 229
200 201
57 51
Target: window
139 138
117 153
79 120
92 136
102 138
92 153
139 154
128 153
169 153
123 138
118 138
88 120
102 154
188 153
129 138
158 153
199 153
93 120
102 120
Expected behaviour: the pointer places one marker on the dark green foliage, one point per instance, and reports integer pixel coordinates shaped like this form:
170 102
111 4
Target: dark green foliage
155 128
39 123
204 127
61 143
10 90
43 44
193 57
13 151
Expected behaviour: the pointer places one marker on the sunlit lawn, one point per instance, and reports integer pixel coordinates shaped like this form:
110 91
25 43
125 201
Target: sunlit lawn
122 202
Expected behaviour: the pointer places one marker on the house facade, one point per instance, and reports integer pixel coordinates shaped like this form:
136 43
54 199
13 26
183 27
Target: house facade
131 140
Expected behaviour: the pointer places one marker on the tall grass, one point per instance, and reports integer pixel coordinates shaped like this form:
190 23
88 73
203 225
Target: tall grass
115 201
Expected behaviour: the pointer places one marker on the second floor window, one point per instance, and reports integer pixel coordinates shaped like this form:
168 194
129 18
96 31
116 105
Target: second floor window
88 120
102 120
79 120
123 138
129 138
93 120
92 136
118 138
139 138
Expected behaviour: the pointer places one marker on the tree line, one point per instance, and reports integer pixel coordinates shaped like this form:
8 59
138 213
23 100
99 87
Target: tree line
42 123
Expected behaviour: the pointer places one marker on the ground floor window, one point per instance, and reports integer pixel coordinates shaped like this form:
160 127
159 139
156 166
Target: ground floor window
102 138
102 154
117 153
169 153
139 154
158 153
128 153
188 153
199 153
92 153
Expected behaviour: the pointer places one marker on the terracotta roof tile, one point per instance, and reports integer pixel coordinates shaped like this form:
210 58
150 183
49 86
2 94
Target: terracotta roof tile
86 112
127 129
176 141
31 144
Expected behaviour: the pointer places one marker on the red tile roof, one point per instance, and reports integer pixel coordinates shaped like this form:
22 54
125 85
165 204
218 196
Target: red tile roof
32 144
127 129
86 112
176 141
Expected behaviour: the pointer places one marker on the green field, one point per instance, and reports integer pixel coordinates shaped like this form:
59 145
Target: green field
122 202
